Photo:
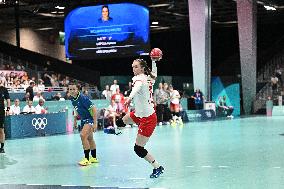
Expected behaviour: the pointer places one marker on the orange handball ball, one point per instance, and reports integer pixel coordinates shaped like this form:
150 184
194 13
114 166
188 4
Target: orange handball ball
156 54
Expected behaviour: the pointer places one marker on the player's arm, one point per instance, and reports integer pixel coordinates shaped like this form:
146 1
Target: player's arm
8 101
137 86
154 69
155 96
93 111
75 119
178 95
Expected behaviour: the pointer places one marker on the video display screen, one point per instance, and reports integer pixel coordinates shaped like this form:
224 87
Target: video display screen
113 30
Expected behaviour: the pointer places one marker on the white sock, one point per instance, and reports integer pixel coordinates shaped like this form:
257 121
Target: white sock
155 164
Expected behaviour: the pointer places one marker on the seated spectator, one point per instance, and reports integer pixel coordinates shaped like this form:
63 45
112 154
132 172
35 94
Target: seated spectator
40 86
25 77
118 97
114 111
26 97
40 109
24 84
58 97
29 108
37 97
198 99
107 93
223 109
15 108
46 80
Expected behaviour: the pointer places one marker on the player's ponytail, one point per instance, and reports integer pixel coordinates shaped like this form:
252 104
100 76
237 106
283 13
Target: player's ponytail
147 70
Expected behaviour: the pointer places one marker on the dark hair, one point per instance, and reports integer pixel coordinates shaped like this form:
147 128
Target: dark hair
76 84
105 6
147 70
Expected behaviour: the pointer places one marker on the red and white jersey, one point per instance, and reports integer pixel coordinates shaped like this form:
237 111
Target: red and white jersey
175 96
142 93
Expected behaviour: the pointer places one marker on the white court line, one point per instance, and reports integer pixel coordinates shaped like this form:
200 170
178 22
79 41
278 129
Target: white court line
137 178
223 166
99 186
189 166
68 185
206 166
35 184
277 167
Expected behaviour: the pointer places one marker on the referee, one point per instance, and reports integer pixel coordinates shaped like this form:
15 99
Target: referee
4 95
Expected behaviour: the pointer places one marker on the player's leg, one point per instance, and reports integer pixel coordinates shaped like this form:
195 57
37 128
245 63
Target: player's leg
174 117
86 130
2 133
143 153
146 128
178 114
93 148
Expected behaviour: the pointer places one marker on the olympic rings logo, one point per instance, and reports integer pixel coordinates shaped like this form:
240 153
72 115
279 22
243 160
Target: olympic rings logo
39 123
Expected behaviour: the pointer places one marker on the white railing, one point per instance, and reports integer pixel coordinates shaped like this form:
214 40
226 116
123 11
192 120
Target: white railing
46 89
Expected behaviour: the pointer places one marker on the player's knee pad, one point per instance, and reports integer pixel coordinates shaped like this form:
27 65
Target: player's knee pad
140 151
120 123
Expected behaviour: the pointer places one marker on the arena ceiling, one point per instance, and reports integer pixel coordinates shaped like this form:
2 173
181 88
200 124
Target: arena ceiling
169 14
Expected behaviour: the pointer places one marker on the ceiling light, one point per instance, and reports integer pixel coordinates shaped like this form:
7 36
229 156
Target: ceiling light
160 5
155 23
269 7
61 8
44 29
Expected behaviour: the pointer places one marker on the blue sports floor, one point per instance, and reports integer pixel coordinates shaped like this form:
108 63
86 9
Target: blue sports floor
238 153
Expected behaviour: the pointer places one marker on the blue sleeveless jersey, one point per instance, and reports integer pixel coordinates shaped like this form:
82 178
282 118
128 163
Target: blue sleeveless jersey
83 105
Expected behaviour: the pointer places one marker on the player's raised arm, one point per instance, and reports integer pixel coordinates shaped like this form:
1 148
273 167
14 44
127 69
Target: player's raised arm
156 55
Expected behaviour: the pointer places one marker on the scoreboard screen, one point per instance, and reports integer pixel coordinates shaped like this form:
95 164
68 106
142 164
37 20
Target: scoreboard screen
106 31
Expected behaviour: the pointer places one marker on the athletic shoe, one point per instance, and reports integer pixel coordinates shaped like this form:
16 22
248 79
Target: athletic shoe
93 160
173 123
84 162
157 172
160 123
180 122
2 151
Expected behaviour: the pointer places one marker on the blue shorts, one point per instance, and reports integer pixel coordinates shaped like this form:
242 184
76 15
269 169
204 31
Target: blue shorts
87 121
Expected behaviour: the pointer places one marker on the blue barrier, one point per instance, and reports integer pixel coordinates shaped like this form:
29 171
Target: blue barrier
31 125
200 115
